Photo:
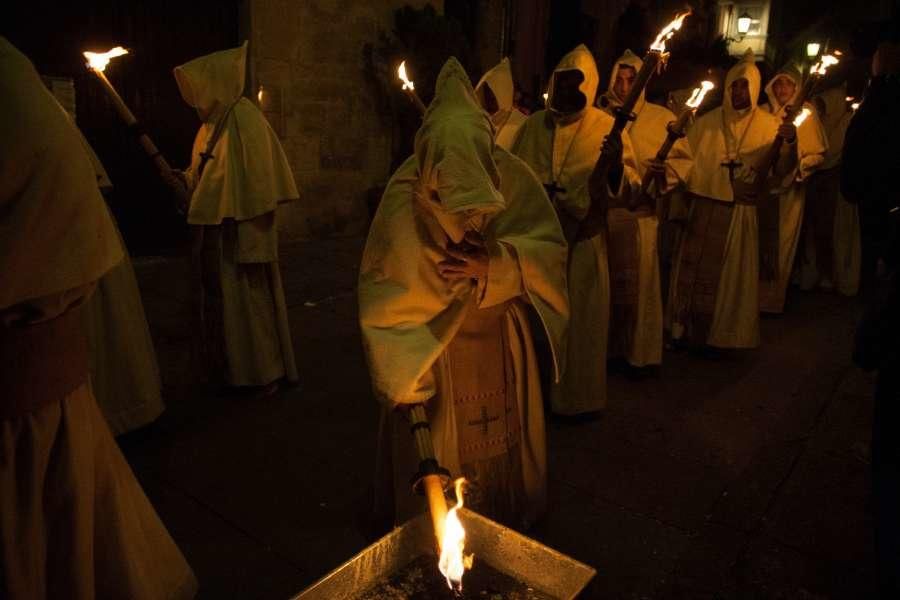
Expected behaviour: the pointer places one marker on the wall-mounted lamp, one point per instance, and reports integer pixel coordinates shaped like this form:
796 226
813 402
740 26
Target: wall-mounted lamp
743 23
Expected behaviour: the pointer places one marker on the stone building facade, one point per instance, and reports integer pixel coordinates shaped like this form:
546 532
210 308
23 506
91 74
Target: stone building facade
307 74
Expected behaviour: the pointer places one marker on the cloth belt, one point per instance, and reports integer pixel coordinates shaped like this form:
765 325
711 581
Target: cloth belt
41 363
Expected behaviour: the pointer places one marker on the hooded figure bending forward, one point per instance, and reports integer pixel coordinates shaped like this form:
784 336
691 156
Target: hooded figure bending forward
464 238
238 176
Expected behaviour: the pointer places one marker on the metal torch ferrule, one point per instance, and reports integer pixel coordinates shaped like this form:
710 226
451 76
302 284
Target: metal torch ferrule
428 463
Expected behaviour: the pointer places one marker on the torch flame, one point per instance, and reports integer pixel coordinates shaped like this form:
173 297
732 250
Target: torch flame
854 106
798 120
822 66
668 31
98 60
453 563
698 94
401 73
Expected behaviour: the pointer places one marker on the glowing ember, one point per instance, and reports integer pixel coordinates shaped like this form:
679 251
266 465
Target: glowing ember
698 94
453 562
401 73
798 120
98 60
668 31
822 66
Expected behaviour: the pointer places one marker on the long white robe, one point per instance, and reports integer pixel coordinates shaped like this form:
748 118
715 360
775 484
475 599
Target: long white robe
74 522
637 328
124 372
564 151
715 290
846 243
458 181
233 201
811 147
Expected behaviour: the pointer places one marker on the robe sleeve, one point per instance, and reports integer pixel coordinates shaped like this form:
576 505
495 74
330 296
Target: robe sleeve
504 280
812 144
679 164
630 185
38 310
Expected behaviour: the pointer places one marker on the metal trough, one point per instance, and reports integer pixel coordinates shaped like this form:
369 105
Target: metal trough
505 550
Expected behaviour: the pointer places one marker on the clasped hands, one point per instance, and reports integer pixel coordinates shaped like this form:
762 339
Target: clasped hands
467 260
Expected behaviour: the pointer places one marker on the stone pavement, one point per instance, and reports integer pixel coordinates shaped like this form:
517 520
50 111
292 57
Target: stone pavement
744 476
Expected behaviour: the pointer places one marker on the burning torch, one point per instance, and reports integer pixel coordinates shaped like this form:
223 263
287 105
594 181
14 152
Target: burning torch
655 58
793 113
431 480
676 130
796 113
97 62
410 88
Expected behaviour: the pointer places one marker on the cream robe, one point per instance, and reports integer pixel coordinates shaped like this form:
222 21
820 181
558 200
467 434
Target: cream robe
409 314
564 152
847 245
641 339
719 135
234 201
74 522
124 373
507 120
811 147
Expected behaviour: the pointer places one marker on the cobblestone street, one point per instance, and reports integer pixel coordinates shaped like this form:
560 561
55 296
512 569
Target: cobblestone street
744 476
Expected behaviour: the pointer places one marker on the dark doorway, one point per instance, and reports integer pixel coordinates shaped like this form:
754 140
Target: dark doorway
160 35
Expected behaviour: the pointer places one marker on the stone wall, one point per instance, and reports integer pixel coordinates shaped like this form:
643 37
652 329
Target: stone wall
307 71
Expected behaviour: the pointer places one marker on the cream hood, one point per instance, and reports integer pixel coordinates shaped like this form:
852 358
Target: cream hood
453 149
579 59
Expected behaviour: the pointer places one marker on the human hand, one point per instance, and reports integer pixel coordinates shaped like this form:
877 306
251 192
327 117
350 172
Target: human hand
468 260
656 170
787 131
611 149
174 178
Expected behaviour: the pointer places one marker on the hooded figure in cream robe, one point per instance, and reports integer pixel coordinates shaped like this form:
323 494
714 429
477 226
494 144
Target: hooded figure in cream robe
811 148
124 372
495 92
636 319
715 290
233 203
458 344
562 149
74 522
832 254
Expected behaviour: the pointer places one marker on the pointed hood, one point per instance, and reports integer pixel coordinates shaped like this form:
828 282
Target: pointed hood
500 81
55 230
249 173
610 99
745 69
453 150
216 79
579 59
789 72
